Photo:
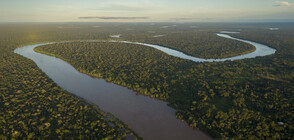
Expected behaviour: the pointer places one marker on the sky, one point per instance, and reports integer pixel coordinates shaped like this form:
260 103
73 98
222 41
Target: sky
146 10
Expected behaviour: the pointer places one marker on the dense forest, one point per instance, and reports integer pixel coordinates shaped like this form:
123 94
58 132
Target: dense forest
250 98
32 106
203 44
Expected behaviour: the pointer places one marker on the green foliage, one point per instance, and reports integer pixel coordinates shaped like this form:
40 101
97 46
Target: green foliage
236 99
244 99
199 43
32 106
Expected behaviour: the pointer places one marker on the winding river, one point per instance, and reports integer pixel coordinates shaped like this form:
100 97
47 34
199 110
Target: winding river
150 118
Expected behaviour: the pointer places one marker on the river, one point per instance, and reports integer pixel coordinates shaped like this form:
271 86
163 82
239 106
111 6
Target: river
150 118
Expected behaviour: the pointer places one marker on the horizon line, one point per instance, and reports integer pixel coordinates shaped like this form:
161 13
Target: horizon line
290 21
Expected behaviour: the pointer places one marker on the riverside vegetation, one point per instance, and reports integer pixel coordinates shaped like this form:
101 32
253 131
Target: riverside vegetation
32 106
203 44
247 98
250 98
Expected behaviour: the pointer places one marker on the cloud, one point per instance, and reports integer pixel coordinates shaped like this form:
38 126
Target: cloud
180 19
283 3
191 19
124 6
116 18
